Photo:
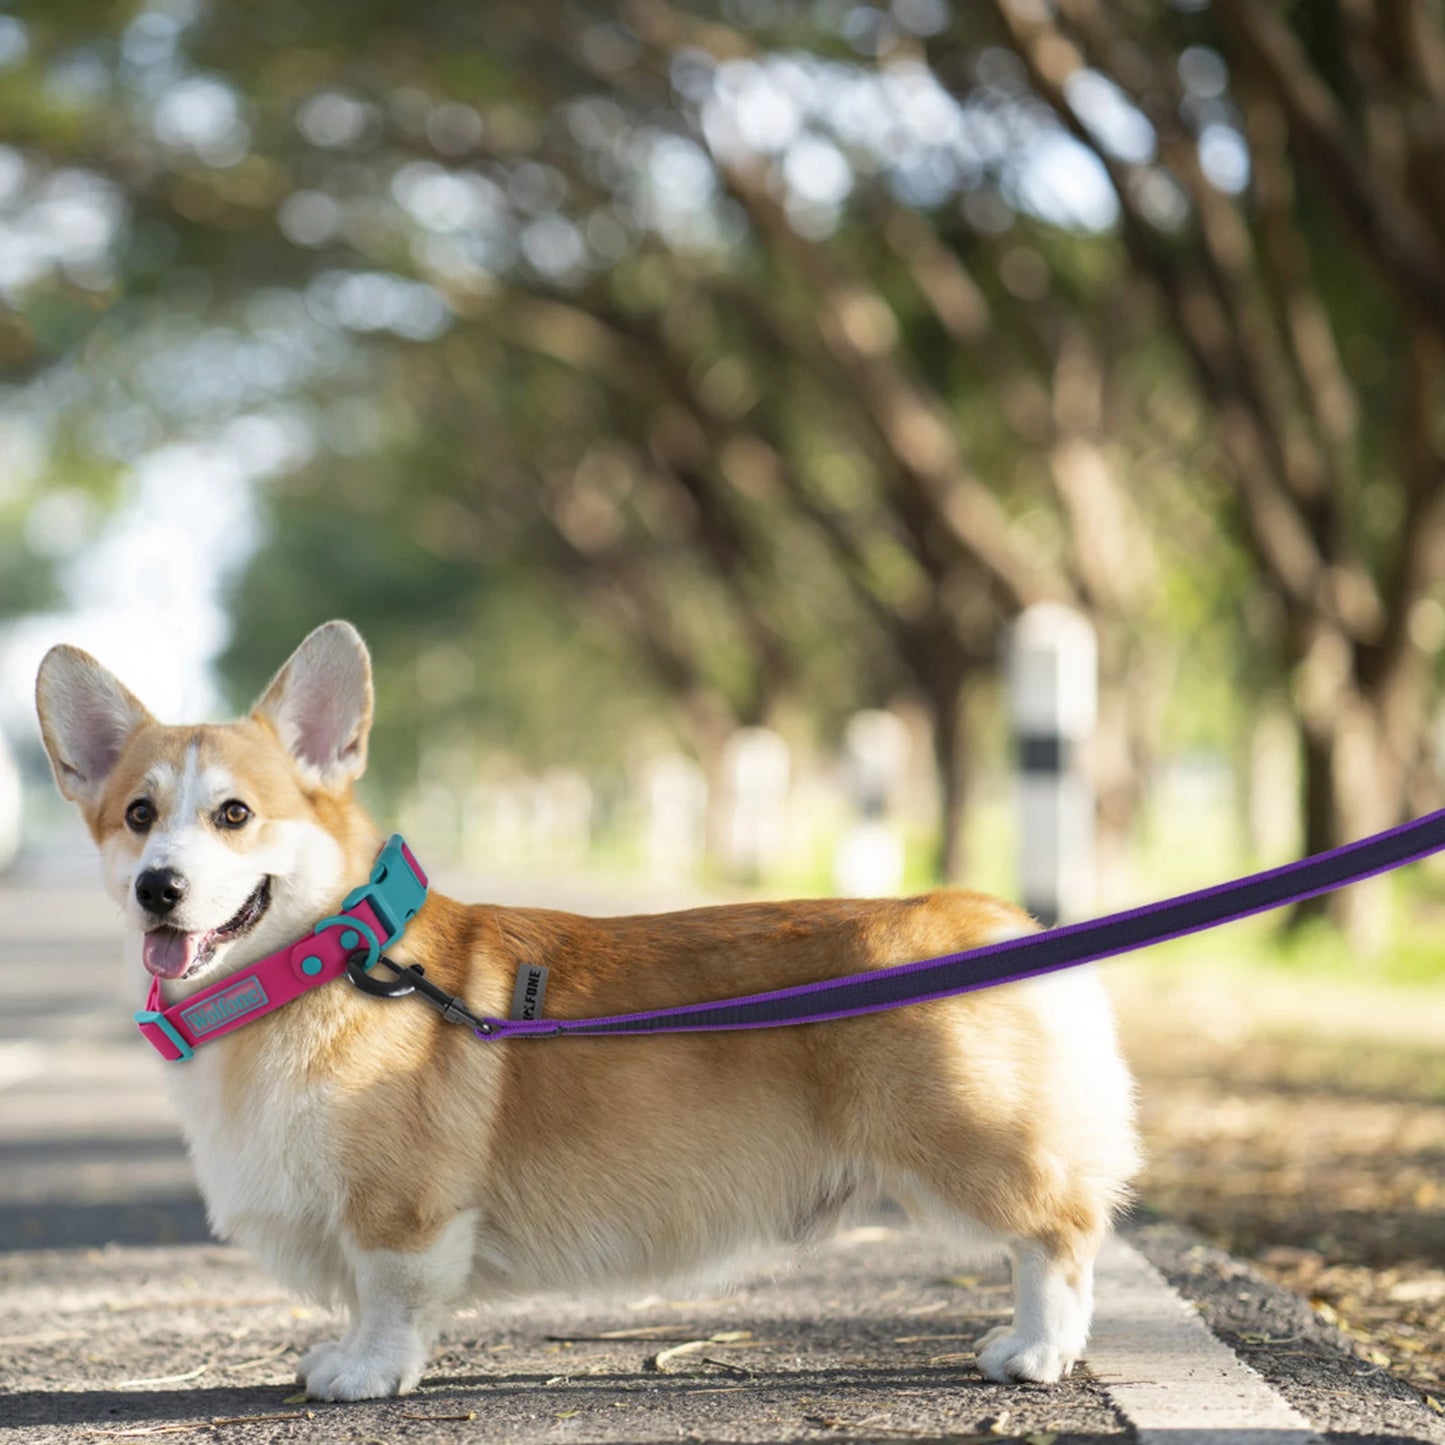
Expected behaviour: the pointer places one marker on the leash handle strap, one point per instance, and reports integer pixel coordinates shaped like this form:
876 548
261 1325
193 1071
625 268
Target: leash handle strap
1017 958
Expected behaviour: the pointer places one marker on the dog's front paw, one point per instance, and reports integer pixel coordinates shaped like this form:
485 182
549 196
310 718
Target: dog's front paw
354 1372
315 1355
1005 1357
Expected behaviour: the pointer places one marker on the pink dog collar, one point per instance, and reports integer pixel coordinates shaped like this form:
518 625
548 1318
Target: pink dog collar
372 917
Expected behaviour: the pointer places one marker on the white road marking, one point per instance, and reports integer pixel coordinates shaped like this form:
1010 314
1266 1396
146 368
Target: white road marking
21 1061
1166 1372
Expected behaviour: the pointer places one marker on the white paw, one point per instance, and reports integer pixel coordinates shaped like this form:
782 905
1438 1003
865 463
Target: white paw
314 1356
1004 1357
336 1372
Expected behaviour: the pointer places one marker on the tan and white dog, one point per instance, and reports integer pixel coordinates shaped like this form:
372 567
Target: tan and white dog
374 1155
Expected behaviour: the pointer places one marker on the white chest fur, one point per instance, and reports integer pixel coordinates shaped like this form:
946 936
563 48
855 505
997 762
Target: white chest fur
263 1166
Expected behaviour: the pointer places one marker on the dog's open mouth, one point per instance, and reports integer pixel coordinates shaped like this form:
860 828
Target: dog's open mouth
171 953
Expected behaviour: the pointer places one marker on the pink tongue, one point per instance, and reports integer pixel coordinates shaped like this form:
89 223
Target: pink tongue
169 952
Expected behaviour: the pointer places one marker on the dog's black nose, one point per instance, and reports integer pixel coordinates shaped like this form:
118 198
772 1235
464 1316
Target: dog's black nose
158 890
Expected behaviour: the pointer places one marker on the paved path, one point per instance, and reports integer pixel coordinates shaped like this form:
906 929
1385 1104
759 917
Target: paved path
120 1319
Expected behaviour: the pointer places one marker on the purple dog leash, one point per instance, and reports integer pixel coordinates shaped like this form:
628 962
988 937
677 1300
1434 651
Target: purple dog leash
1015 958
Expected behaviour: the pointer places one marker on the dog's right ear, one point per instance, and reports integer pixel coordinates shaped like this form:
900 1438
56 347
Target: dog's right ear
86 715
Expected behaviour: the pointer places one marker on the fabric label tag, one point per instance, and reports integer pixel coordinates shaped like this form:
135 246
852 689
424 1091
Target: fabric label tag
531 991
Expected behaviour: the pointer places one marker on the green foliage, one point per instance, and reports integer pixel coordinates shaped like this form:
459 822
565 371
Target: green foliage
475 655
27 582
646 388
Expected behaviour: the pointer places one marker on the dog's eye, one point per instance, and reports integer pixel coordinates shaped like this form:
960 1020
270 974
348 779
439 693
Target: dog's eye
140 815
233 814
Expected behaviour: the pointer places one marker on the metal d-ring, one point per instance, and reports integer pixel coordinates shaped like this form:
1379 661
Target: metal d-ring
397 987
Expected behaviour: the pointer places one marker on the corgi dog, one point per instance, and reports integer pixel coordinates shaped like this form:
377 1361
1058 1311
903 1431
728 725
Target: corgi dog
372 1154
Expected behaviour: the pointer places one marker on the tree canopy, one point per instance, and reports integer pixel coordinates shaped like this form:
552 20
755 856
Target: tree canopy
729 359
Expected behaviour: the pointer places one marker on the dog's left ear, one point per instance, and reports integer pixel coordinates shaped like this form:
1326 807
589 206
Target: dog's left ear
320 704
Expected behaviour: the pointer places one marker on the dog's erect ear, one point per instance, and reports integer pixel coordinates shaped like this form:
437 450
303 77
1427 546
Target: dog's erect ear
320 704
86 715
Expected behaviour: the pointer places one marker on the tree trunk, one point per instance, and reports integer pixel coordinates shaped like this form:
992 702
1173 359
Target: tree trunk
945 703
1351 789
952 792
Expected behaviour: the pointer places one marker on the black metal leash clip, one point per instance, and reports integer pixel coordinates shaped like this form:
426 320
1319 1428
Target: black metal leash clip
407 980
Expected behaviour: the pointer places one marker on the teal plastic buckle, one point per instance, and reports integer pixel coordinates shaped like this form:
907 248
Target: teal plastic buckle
150 1016
395 893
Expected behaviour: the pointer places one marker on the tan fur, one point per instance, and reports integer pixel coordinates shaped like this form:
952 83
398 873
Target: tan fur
915 1091
556 1131
576 1162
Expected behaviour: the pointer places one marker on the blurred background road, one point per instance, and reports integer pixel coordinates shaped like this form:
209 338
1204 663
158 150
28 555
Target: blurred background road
90 1152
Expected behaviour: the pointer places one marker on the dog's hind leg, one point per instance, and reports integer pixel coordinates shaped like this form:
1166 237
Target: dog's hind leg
1052 1239
401 1299
1027 1170
1053 1307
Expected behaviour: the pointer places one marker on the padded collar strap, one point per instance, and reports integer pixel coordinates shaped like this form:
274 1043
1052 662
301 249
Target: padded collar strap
372 917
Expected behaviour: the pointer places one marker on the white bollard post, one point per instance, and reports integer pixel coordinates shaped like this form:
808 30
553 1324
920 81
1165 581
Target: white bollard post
756 766
1053 699
562 814
676 797
11 799
869 861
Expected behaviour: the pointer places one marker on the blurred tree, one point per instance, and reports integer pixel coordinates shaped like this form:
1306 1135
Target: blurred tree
26 580
804 345
1277 131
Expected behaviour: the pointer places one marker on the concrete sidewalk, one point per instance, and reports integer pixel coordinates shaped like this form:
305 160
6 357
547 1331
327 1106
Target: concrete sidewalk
120 1320
867 1338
